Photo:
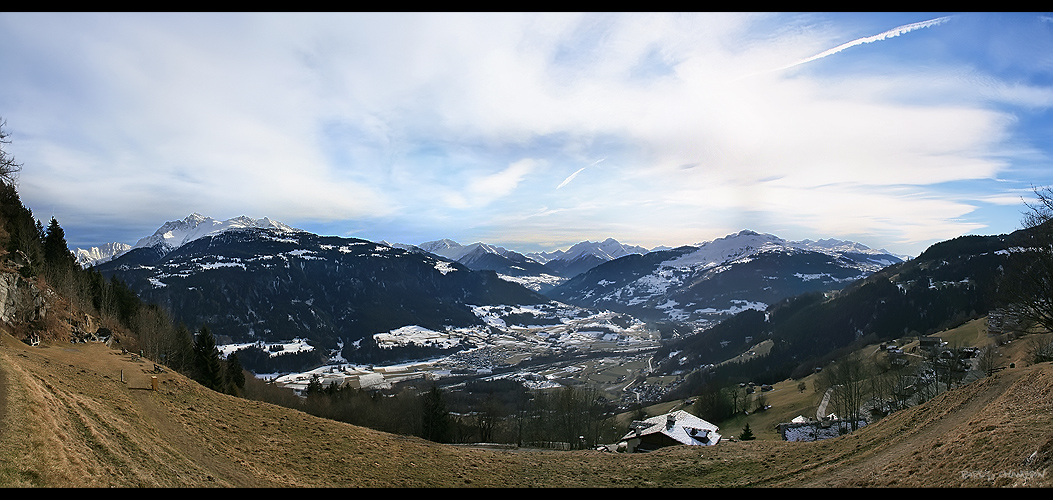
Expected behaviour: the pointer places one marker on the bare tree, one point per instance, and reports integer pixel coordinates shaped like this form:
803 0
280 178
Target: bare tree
1040 349
849 378
1028 283
988 360
9 168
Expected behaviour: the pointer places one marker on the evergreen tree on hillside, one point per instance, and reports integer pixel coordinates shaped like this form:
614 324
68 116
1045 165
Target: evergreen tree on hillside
234 375
747 433
56 250
435 418
22 229
209 370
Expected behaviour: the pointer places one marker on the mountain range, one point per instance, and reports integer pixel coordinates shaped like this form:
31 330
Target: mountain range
713 280
584 256
509 265
259 279
538 271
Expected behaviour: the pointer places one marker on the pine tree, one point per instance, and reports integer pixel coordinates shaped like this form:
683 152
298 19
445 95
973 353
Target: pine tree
207 364
747 434
435 418
234 375
56 251
22 228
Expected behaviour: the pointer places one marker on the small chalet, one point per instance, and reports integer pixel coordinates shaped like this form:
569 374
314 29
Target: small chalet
930 344
671 429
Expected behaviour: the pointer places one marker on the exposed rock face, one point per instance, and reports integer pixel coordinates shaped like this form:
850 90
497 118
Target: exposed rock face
20 300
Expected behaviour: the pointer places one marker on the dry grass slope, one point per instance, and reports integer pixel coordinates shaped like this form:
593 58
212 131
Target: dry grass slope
69 420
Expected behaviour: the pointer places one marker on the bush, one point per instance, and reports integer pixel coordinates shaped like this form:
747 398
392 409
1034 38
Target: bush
1041 349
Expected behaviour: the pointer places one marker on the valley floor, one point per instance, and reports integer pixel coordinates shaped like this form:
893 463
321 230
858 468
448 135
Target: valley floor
69 420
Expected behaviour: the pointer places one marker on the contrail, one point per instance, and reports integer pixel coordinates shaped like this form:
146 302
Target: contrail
571 177
906 28
575 174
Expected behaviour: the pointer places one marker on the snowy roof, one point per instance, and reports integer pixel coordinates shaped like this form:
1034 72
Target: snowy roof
679 425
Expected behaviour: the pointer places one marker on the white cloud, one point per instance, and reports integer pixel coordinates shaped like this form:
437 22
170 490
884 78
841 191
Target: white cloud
483 190
369 116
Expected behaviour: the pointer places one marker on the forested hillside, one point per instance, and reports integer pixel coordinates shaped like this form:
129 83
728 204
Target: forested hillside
950 283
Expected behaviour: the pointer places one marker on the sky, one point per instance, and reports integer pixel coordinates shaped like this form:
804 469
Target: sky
533 131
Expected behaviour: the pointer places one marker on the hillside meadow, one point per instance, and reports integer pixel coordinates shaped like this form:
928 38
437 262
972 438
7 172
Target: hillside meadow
86 415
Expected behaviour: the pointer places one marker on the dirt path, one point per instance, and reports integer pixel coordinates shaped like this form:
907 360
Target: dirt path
821 411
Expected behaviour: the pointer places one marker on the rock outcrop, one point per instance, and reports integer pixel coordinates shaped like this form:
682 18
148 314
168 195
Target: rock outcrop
21 300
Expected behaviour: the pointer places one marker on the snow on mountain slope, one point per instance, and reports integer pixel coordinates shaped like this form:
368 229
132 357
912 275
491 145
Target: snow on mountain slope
746 243
252 283
728 248
98 255
717 278
455 251
608 249
510 266
174 234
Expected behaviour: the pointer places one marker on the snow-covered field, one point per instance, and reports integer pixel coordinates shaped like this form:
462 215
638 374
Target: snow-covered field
274 348
535 283
512 334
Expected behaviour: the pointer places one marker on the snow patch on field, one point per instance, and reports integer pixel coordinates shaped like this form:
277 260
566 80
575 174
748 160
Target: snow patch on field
274 348
535 283
415 335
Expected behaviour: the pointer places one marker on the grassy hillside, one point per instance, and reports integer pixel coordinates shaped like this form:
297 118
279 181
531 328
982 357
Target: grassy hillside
787 400
69 420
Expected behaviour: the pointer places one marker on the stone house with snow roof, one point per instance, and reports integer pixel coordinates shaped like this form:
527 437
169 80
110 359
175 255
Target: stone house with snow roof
672 429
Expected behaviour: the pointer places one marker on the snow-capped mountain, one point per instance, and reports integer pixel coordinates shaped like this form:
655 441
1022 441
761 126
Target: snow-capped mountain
715 279
949 283
97 255
584 256
746 243
262 280
608 249
455 251
842 247
509 265
174 234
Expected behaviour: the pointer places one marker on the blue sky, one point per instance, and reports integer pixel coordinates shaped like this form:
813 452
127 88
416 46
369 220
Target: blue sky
533 131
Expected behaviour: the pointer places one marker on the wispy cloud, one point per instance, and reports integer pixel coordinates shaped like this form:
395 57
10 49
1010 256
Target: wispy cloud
483 190
424 126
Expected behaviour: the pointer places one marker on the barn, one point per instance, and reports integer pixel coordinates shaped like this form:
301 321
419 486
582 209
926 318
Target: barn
672 429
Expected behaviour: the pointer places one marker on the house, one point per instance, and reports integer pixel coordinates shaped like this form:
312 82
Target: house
930 344
671 429
806 429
